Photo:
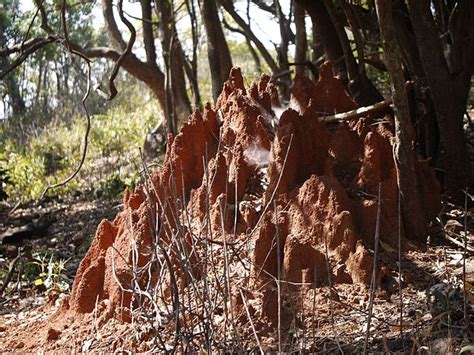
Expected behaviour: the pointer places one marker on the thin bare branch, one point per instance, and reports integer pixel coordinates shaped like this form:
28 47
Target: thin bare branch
359 112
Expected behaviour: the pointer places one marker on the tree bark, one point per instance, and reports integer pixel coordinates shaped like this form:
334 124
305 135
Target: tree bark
149 73
177 101
361 88
449 90
229 7
16 100
218 52
284 81
327 34
411 205
301 41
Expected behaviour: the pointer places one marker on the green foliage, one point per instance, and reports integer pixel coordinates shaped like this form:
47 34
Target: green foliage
4 181
114 142
110 188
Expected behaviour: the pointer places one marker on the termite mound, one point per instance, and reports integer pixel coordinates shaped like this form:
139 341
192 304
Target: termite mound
301 193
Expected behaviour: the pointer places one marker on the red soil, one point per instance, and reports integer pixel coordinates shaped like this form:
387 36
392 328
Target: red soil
322 181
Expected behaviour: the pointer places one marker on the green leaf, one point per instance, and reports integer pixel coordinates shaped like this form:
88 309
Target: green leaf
39 282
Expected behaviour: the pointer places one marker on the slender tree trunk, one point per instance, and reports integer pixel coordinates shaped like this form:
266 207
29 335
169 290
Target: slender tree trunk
177 101
229 7
301 41
16 100
427 131
361 88
412 212
191 65
284 81
317 49
218 52
327 34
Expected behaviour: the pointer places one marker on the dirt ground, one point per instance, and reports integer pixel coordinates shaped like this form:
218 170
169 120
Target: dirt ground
433 300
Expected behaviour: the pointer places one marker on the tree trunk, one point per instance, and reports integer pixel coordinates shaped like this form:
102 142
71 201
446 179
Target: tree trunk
301 42
411 205
191 64
327 34
229 7
147 72
361 88
218 52
177 101
284 81
449 92
16 100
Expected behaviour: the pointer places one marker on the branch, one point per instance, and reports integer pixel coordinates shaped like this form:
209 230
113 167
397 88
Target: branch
309 64
127 51
229 7
34 46
361 111
44 17
11 268
112 28
29 28
252 50
272 10
20 47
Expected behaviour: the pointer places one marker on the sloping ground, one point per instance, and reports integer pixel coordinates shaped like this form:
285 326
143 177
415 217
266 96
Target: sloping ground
248 209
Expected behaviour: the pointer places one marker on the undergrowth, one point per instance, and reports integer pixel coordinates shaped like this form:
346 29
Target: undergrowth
52 154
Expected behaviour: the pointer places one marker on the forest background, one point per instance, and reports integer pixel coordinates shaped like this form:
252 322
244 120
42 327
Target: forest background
180 55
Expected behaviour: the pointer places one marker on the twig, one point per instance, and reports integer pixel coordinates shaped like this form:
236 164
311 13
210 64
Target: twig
374 271
400 292
361 111
331 310
11 268
466 315
278 252
250 320
458 243
14 208
275 190
313 313
86 138
29 28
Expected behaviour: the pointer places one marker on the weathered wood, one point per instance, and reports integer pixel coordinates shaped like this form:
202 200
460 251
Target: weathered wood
359 112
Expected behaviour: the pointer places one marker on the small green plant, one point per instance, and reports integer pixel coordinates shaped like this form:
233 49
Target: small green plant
51 274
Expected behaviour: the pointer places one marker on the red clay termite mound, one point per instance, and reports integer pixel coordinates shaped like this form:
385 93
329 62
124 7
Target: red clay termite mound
299 194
